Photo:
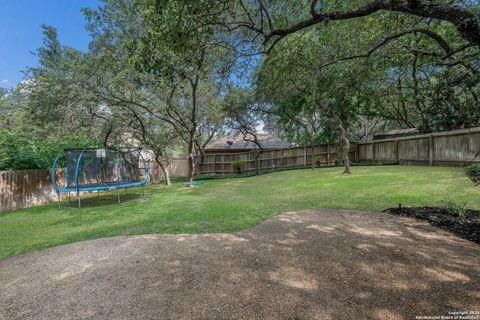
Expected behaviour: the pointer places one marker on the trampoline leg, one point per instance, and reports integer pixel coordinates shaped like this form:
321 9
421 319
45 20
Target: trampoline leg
69 198
126 190
98 193
78 196
144 191
59 201
118 195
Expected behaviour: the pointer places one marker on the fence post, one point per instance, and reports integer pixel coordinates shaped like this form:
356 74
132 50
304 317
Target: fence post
214 163
397 155
430 150
258 162
281 158
328 154
304 156
373 151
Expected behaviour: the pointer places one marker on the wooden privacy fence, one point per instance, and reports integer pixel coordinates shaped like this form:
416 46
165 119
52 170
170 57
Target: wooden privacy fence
177 168
272 159
451 148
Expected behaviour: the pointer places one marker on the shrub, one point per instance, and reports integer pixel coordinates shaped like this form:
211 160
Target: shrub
21 151
29 160
473 172
455 209
238 164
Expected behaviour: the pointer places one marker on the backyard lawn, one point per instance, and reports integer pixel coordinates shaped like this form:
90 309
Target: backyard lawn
226 205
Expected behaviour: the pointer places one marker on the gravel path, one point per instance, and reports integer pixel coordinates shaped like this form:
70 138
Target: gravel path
318 264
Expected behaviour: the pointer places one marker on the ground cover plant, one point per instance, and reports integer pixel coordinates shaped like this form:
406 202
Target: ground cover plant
227 205
473 172
453 217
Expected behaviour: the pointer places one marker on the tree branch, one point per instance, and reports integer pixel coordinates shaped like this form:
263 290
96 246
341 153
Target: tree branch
464 21
448 50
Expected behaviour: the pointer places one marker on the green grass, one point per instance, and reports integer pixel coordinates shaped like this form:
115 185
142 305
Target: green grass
227 205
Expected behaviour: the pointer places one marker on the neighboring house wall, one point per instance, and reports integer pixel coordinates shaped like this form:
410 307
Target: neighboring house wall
235 144
179 168
398 133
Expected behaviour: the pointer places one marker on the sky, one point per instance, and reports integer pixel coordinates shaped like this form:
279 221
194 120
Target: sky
21 32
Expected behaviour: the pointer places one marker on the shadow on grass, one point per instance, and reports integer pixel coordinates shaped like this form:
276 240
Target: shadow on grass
252 173
106 199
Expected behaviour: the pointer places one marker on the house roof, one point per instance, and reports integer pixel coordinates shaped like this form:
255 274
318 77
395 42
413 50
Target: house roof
395 133
237 143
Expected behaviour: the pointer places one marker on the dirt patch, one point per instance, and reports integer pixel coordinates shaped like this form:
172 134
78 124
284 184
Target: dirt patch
467 228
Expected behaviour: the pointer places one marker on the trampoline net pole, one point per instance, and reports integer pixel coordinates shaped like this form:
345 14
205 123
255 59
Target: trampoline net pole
118 179
77 168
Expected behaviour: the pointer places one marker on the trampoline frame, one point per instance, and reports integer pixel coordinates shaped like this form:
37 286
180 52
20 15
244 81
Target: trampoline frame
118 184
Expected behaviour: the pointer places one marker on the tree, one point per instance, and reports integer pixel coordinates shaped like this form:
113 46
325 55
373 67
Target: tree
415 89
290 111
154 136
268 18
175 58
244 114
311 101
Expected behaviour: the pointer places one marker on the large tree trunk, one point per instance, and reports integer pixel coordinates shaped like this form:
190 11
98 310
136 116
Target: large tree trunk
346 155
201 152
193 130
416 93
166 173
345 147
191 161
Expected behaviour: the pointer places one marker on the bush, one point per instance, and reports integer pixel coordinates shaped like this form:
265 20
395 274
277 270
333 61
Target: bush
7 150
22 151
238 164
473 172
29 160
455 209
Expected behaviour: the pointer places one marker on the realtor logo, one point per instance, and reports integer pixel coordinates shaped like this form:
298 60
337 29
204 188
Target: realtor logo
101 153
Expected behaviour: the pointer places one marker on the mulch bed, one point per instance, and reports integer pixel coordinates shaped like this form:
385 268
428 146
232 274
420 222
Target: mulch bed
468 228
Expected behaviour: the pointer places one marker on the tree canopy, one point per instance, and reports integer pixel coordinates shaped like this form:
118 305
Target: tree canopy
173 75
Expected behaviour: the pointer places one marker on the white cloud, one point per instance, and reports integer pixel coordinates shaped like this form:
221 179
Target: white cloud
5 82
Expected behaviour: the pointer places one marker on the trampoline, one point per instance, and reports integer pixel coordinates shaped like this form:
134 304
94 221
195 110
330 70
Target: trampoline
94 169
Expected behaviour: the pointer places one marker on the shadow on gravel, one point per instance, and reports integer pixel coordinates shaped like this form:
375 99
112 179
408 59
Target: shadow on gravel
317 264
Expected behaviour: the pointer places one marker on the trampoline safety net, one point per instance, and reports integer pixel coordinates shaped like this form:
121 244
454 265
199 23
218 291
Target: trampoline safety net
102 167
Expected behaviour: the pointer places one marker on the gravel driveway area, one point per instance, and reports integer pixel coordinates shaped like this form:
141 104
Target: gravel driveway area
316 264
